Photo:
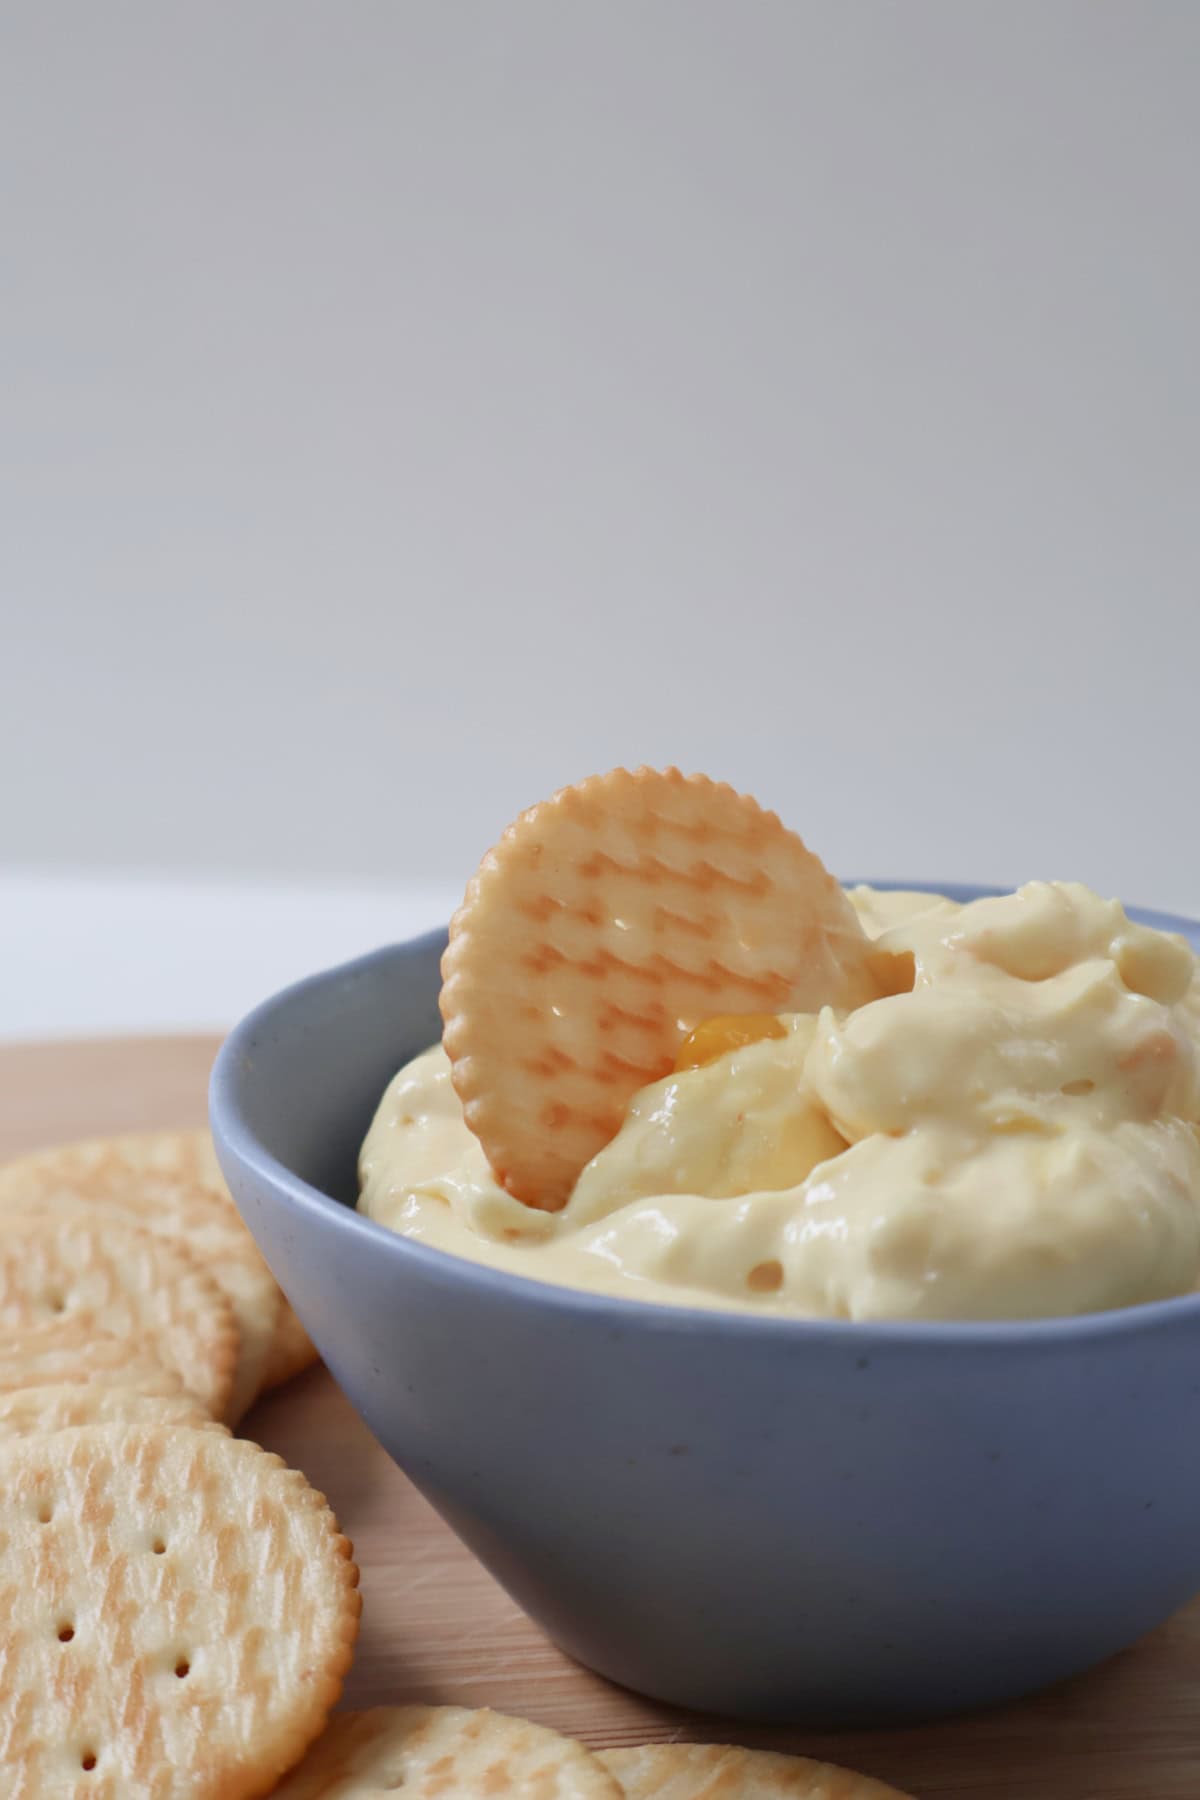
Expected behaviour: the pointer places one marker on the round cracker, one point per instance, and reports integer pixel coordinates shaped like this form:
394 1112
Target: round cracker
167 1182
429 1751
179 1611
726 1772
74 1351
130 1283
601 929
34 1411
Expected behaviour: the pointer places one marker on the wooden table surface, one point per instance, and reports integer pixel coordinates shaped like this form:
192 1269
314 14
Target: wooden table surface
436 1627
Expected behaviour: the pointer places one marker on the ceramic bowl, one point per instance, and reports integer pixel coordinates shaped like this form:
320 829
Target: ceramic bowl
762 1518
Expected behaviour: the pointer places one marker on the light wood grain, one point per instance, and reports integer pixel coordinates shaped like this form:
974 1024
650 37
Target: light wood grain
436 1627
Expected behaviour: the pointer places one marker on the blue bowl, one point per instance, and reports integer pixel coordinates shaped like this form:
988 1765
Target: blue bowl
763 1518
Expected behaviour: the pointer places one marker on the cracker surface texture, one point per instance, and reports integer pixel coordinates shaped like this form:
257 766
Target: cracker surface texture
605 925
75 1351
61 1406
129 1283
725 1772
435 1752
168 1182
177 1613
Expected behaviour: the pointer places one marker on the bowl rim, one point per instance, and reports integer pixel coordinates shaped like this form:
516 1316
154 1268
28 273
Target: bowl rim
232 1132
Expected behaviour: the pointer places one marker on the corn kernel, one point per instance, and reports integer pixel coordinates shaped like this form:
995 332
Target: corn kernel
727 1031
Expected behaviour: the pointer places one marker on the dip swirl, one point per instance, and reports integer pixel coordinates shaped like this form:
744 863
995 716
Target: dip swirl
1014 1135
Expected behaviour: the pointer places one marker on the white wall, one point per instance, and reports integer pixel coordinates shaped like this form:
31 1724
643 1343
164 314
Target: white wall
410 406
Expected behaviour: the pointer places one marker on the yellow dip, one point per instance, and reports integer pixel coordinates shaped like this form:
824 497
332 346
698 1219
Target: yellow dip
1015 1137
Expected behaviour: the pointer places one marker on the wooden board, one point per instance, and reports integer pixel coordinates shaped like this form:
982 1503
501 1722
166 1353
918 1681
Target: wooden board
436 1627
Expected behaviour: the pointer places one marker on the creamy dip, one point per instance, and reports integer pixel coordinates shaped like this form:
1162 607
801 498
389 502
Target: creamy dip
1014 1136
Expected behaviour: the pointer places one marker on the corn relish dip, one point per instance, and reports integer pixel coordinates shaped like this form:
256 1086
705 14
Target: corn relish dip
1014 1133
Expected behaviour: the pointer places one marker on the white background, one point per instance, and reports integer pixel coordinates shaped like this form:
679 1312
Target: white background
408 406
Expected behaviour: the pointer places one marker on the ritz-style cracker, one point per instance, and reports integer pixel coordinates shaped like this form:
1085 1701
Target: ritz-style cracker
605 925
178 1613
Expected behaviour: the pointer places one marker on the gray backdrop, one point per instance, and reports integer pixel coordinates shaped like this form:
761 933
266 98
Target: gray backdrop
407 407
